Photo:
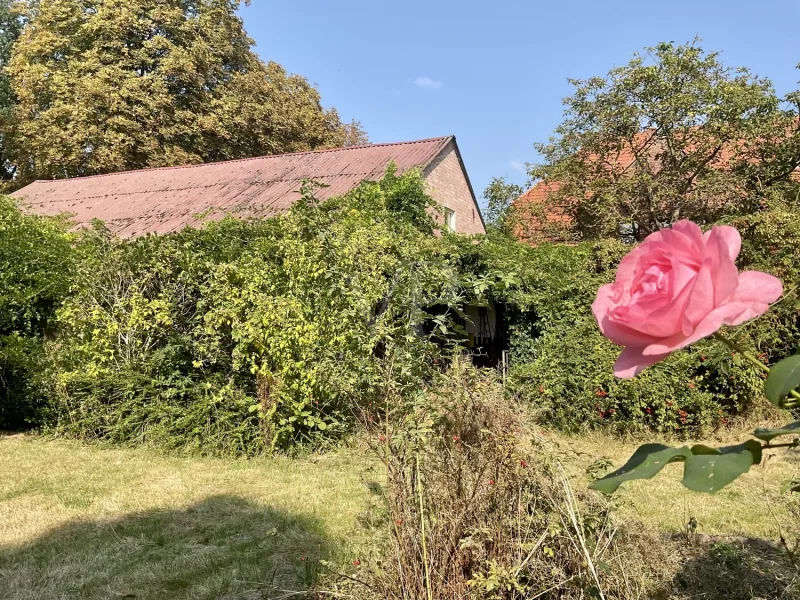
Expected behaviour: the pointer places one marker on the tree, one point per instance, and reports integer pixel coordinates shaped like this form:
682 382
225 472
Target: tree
11 24
500 197
673 134
112 85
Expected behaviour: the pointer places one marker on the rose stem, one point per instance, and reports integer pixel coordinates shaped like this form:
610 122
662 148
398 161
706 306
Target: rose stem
749 356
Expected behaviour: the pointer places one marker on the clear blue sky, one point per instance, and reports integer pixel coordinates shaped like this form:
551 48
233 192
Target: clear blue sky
494 73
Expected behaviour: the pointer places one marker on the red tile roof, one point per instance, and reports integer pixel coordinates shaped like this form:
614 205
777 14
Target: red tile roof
168 199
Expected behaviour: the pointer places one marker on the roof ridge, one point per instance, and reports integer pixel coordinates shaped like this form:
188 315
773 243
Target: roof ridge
444 139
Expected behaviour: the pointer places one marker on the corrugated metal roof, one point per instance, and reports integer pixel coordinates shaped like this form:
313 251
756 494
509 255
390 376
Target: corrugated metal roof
168 199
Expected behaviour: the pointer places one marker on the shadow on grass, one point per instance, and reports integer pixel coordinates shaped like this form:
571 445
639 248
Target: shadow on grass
223 548
743 570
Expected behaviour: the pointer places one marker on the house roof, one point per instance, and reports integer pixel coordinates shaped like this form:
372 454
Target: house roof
167 199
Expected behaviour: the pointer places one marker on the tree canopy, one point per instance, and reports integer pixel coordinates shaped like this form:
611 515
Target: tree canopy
500 196
673 134
11 23
110 85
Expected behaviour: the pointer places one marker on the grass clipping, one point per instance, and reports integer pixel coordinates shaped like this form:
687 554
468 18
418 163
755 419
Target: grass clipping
476 510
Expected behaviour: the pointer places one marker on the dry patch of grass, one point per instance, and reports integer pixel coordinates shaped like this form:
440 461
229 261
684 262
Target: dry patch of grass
80 521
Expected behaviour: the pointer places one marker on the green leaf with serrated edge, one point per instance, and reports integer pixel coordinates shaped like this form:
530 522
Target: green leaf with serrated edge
765 434
710 472
646 462
782 379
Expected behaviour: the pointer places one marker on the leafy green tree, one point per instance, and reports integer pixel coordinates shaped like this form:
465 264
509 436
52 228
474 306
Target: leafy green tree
673 134
11 24
500 197
126 84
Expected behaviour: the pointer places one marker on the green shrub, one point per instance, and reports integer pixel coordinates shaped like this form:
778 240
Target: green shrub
562 364
771 243
37 261
248 336
570 384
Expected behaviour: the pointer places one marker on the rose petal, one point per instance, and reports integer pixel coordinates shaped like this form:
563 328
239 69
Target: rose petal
693 234
701 298
728 237
755 292
682 275
722 247
617 332
632 362
711 323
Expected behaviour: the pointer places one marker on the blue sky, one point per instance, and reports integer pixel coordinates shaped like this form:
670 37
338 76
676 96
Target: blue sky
494 73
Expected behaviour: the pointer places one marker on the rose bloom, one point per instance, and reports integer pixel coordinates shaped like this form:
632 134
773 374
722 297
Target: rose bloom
677 286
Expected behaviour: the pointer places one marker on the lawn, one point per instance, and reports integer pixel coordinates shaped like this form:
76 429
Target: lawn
84 521
751 506
80 521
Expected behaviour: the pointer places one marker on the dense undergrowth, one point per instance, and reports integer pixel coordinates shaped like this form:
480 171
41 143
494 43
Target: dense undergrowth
247 336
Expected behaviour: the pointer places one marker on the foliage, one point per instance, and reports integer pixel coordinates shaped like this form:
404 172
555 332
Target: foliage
132 84
500 197
476 512
560 363
706 469
37 261
569 384
11 23
248 336
673 134
770 240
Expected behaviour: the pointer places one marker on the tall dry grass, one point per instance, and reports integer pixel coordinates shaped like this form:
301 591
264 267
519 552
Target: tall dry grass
478 509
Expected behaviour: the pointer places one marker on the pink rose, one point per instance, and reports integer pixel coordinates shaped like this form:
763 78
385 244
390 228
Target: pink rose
676 287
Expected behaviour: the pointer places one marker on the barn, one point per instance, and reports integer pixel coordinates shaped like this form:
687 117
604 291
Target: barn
168 199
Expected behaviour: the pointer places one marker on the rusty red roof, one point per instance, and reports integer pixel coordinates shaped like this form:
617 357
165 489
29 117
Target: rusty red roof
168 199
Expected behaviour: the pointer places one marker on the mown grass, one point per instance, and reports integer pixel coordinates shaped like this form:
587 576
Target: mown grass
81 521
93 522
752 506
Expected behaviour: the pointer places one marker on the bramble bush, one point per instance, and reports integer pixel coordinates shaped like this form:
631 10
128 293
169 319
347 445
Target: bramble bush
474 510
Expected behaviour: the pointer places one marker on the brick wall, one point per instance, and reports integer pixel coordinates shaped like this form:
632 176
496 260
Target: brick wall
448 186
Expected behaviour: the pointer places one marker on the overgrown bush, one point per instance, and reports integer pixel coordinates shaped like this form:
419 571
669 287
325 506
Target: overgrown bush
247 336
569 384
37 261
475 510
561 364
771 243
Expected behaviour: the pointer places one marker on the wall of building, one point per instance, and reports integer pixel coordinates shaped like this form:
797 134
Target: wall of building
449 187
